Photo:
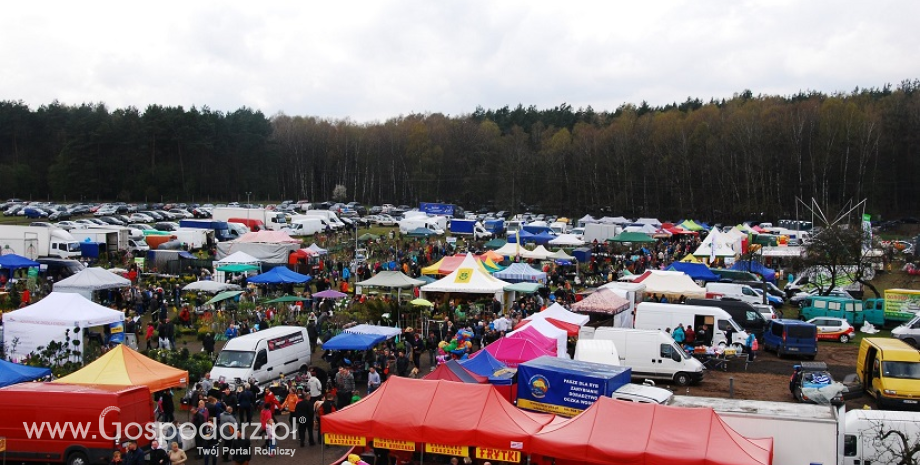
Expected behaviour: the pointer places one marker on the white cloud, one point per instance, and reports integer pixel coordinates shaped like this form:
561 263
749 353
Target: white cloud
374 60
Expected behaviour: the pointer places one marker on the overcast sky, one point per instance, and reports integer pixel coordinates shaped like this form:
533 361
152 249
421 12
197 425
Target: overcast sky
378 59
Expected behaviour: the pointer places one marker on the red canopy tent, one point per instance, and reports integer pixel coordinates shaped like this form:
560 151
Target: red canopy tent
513 351
570 328
534 335
454 371
613 432
440 412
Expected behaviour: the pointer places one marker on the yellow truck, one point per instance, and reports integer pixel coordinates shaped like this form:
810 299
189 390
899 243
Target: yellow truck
889 371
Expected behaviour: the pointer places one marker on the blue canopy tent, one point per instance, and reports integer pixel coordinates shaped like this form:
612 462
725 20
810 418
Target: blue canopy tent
536 229
542 239
483 363
520 272
12 373
353 341
582 254
13 261
525 237
279 275
768 274
696 271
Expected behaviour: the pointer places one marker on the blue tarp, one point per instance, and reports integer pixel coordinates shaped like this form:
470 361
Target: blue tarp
542 239
582 254
525 237
351 341
13 261
279 275
536 229
12 373
756 268
484 364
696 271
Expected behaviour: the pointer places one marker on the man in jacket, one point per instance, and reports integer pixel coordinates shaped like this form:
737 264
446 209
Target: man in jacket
228 427
134 456
303 418
157 456
345 386
241 449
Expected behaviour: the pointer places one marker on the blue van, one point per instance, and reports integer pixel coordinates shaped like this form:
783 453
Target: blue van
794 337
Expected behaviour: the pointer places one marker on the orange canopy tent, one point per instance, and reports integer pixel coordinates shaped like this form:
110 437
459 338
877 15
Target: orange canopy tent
122 366
614 432
441 412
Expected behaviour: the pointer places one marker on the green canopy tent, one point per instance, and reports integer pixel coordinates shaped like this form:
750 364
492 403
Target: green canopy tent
368 237
635 237
495 244
223 296
287 298
237 268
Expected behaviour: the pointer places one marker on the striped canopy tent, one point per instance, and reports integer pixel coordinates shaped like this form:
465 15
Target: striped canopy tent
122 366
691 225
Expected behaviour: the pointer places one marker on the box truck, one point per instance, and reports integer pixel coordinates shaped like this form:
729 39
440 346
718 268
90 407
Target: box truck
874 437
565 387
599 232
42 421
221 228
273 220
716 322
650 354
39 241
469 228
114 239
496 227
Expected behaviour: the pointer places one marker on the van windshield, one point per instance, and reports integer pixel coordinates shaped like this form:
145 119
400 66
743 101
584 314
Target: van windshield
901 370
234 359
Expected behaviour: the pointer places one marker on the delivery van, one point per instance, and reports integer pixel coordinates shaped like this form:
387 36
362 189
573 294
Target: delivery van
263 356
306 226
791 337
54 405
717 323
889 371
741 292
749 318
650 354
864 441
596 350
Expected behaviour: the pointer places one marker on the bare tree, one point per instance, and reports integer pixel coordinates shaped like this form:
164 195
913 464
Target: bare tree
893 446
339 193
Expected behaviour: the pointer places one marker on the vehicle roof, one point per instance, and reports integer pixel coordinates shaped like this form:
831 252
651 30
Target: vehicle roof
249 340
766 409
790 322
832 298
894 346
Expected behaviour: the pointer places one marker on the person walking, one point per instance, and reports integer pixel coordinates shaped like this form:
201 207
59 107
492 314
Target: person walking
345 387
303 418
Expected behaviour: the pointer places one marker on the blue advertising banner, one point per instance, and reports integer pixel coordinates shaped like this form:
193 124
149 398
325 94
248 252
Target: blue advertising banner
117 333
437 208
566 387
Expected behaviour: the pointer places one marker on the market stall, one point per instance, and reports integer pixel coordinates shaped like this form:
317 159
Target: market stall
122 366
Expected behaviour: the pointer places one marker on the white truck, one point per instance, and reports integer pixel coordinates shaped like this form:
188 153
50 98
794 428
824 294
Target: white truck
650 354
716 322
38 241
600 232
271 219
802 433
330 217
408 225
873 437
114 239
302 225
194 238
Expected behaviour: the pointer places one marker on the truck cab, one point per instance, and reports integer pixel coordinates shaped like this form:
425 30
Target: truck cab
889 371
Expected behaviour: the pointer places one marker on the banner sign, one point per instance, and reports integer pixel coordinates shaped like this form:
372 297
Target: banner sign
394 444
444 449
334 439
566 387
437 208
499 455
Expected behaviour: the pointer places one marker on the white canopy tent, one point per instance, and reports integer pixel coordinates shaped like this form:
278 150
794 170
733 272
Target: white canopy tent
236 258
649 221
549 330
613 220
645 228
469 277
91 279
210 286
511 249
567 240
388 332
319 250
671 283
538 253
587 219
48 319
716 244
558 312
560 255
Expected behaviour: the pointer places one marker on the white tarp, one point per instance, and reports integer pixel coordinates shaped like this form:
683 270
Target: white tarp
47 320
568 240
210 286
558 312
261 251
89 280
538 253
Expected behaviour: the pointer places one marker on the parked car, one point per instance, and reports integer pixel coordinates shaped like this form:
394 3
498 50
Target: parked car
141 218
833 329
810 378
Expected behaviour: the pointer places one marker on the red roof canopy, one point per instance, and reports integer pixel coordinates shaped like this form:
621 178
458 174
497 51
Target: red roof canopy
454 371
440 412
613 432
570 328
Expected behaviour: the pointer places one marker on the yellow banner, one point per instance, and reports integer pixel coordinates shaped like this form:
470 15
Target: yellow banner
334 439
463 275
500 455
444 449
548 408
394 444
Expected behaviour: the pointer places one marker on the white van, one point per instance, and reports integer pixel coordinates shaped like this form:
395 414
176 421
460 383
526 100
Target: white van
263 355
659 317
741 292
650 354
643 393
307 226
327 215
597 351
863 432
406 226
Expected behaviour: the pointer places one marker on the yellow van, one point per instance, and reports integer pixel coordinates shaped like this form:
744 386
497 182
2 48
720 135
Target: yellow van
889 370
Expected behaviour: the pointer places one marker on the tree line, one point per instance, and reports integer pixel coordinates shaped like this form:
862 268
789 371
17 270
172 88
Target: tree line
733 159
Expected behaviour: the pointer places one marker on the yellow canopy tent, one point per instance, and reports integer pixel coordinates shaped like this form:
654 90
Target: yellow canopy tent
122 366
691 259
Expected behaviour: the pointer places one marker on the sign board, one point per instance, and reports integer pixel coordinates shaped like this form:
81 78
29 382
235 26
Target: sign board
499 455
444 449
139 261
334 439
394 444
566 387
